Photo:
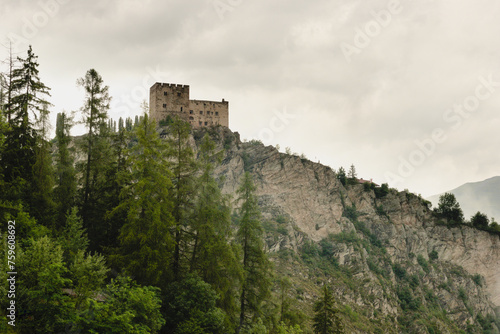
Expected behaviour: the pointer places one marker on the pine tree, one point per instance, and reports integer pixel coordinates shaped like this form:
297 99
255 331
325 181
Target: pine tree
326 319
146 241
256 266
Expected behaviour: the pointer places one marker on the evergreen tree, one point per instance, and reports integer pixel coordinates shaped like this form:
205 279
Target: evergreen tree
184 168
40 289
326 319
146 242
26 104
65 180
256 267
96 148
342 176
42 204
352 176
213 257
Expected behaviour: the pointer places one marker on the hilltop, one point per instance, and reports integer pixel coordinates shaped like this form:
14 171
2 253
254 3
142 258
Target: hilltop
394 267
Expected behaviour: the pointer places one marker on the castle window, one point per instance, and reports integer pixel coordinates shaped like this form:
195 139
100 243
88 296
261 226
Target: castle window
178 94
164 105
206 123
201 123
216 113
191 112
191 118
208 112
165 93
181 108
201 112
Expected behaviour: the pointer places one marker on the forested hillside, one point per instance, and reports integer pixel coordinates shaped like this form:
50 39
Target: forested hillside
137 227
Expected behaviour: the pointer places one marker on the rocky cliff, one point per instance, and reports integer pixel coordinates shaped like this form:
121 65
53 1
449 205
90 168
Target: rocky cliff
394 266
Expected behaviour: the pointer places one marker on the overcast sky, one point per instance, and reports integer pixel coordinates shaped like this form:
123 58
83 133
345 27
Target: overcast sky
407 91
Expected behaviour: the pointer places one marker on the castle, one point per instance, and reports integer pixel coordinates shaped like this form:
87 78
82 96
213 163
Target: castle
171 99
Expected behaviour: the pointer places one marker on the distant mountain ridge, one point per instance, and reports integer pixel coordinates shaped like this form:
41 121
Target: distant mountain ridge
483 196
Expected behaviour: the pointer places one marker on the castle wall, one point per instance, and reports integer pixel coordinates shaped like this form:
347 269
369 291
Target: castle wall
206 113
171 99
168 99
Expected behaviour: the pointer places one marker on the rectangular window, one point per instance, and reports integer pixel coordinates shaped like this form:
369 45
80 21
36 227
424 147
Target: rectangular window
191 112
201 112
178 94
165 93
206 123
201 123
181 108
216 113
164 105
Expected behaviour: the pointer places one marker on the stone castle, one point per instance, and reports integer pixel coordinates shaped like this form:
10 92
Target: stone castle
173 100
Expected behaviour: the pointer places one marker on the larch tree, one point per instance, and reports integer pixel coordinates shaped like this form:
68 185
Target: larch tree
256 266
145 241
184 168
213 257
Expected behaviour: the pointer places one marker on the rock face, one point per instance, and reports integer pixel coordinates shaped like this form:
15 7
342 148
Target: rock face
316 205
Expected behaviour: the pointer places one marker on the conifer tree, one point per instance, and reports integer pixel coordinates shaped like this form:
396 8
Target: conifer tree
213 257
65 174
326 319
256 266
96 148
42 204
184 168
26 157
146 242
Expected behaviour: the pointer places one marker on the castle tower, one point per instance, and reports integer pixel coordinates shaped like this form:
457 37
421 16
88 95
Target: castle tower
171 99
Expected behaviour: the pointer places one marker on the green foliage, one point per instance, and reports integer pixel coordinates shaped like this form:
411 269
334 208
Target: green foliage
382 191
341 176
183 167
146 236
399 271
87 273
74 237
65 174
423 263
351 213
449 208
40 288
284 329
255 264
407 300
380 210
478 280
326 319
191 308
480 220
433 255
126 308
212 256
